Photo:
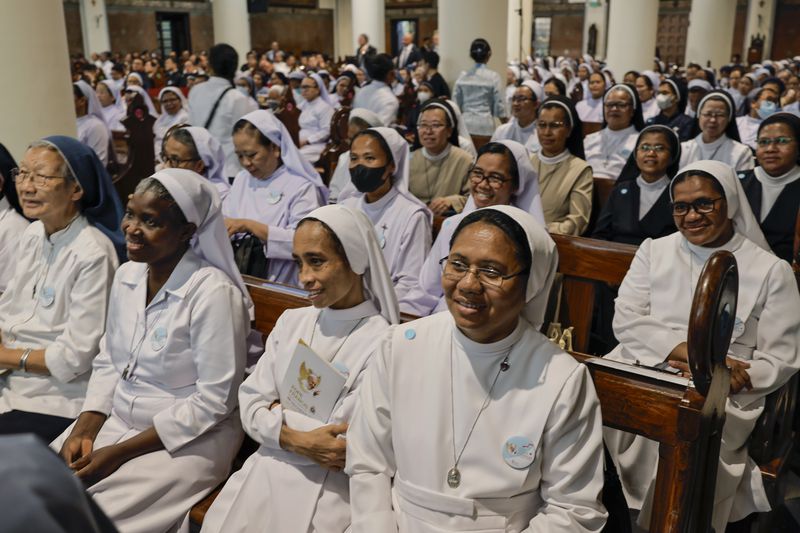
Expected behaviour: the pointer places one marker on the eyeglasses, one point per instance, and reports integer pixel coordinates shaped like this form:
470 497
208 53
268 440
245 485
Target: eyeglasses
456 270
657 148
308 87
715 116
173 161
701 206
166 101
435 126
544 126
496 181
40 181
764 142
520 99
617 105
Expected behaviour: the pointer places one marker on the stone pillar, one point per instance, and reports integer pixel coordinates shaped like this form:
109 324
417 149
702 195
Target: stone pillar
710 35
632 28
596 13
94 27
527 28
514 40
39 101
343 44
461 21
232 25
368 16
760 21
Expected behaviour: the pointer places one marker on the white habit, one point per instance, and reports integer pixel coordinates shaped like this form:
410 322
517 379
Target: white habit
12 224
724 149
607 150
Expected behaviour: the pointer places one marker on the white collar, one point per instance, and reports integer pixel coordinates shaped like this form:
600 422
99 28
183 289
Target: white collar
436 157
704 252
624 132
363 310
558 158
777 181
658 185
712 144
491 349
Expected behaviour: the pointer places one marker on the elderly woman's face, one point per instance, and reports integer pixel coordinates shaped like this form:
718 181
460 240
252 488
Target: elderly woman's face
153 234
524 105
644 90
259 160
712 229
53 199
484 312
553 129
134 80
618 109
713 119
433 129
309 89
322 271
170 103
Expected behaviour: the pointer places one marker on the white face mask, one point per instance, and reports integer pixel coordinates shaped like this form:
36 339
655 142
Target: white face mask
423 97
664 101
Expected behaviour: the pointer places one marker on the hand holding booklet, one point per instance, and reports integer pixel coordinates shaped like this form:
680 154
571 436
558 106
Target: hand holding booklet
311 384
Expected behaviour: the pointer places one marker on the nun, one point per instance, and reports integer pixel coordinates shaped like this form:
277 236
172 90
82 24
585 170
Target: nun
92 128
765 102
360 119
565 178
132 90
646 85
438 168
608 150
502 175
464 138
379 172
651 323
113 105
12 218
638 207
522 127
773 187
193 148
159 427
294 482
53 311
590 109
671 101
174 111
444 437
315 117
275 189
718 139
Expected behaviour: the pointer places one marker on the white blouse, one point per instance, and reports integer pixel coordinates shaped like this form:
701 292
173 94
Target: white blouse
12 224
608 150
724 149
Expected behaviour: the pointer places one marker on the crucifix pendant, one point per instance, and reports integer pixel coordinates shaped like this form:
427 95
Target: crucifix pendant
453 477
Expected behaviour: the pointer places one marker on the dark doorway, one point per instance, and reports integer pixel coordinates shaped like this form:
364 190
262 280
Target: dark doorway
173 32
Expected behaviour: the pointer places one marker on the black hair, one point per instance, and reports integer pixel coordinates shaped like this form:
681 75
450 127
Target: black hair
637 120
337 243
479 50
118 67
282 77
76 91
635 73
381 141
432 59
783 117
509 226
9 191
502 149
647 81
575 139
246 125
379 66
560 86
224 60
631 169
776 81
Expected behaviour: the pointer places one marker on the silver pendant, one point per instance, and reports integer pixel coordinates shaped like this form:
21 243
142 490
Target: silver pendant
453 477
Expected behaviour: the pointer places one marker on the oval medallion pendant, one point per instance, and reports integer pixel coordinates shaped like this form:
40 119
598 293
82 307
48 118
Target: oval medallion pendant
454 477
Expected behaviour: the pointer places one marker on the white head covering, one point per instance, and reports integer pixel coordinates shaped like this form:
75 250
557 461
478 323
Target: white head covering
135 75
274 130
463 132
199 201
323 90
544 263
527 196
147 100
698 83
357 234
165 121
93 107
622 87
544 74
534 86
112 86
177 92
367 116
655 79
744 221
210 151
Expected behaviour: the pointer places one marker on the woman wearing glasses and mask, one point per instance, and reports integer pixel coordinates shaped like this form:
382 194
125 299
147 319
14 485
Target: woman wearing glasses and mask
651 322
718 139
193 148
438 172
444 437
773 187
608 149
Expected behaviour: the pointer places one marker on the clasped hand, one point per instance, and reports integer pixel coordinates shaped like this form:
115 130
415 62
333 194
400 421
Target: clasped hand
740 378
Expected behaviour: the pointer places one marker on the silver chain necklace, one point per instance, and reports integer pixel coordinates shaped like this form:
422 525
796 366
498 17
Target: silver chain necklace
313 329
454 474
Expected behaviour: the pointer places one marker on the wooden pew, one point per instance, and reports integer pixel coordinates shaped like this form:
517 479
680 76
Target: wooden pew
289 115
591 127
480 140
141 156
601 191
338 144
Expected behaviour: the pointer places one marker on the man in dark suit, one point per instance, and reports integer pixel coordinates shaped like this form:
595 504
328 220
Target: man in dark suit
364 49
409 54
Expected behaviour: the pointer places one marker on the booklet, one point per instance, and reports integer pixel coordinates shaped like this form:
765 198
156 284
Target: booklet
311 384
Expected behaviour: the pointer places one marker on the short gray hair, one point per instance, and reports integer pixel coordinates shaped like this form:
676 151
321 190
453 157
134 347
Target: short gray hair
64 168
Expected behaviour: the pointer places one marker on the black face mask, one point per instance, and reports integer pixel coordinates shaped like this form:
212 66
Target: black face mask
367 179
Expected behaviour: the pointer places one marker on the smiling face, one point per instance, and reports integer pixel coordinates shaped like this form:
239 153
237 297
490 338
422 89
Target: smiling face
483 193
323 269
553 130
153 233
597 85
654 161
777 159
524 105
485 313
433 129
170 103
710 229
618 109
713 119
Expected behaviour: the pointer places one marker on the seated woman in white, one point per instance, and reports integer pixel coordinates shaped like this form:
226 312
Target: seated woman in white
159 428
173 112
12 219
193 148
651 323
275 189
315 118
471 420
379 172
525 104
590 109
92 128
718 139
113 105
53 311
360 119
294 482
502 175
607 150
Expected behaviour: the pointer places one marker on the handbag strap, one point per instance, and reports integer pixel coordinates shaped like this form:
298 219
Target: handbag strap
216 105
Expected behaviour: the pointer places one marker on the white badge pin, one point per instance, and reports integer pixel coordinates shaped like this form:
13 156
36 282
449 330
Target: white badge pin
518 452
623 191
274 197
738 327
382 237
47 296
159 338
